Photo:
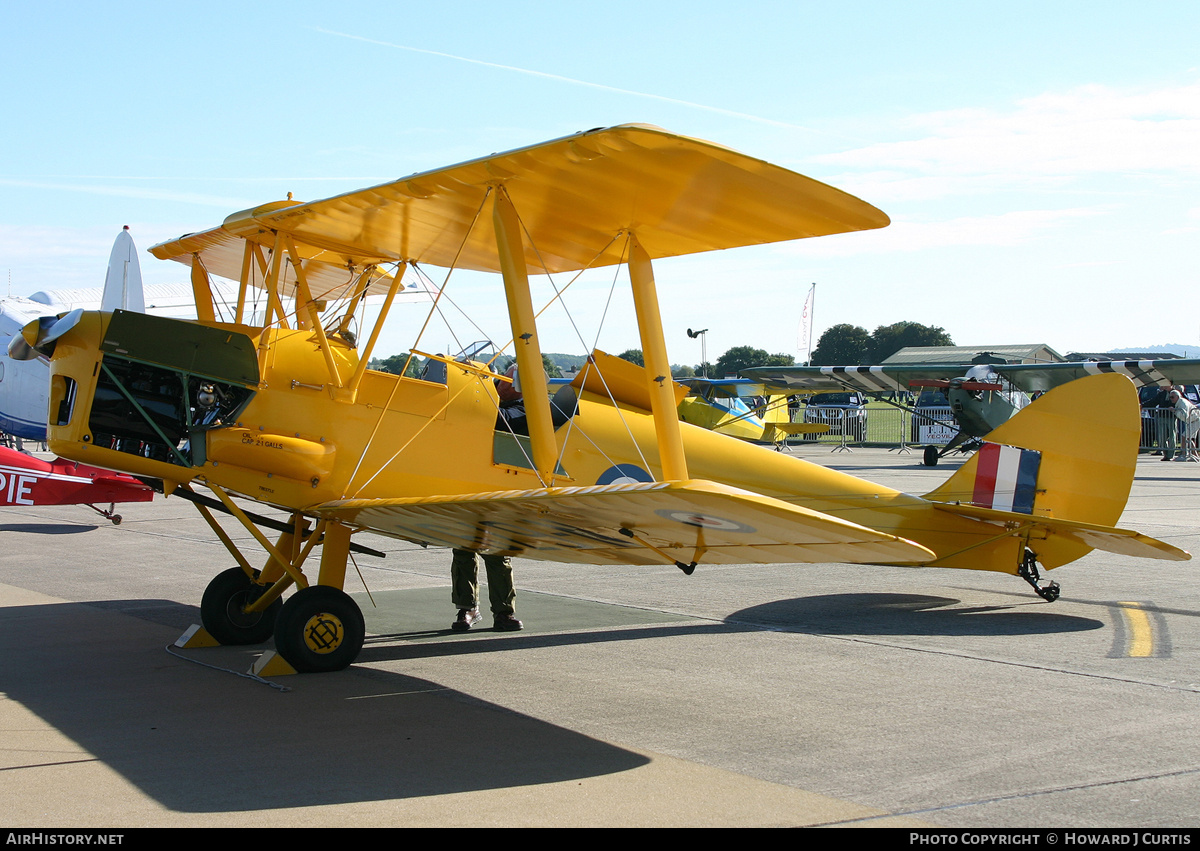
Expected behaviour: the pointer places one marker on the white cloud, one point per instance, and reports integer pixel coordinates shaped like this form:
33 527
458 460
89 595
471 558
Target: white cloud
133 191
36 257
1013 228
1041 142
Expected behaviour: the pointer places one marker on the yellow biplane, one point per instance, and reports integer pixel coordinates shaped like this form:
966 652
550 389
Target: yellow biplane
742 408
287 413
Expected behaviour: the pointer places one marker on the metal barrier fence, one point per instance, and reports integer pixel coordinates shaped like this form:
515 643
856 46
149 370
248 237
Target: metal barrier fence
1163 431
881 426
935 427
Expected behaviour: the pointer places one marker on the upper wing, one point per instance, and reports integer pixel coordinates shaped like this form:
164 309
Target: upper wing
643 523
1026 376
867 379
575 195
221 251
1031 377
726 387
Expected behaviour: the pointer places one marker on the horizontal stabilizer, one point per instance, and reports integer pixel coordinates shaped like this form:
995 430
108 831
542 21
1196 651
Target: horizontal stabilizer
638 523
1107 538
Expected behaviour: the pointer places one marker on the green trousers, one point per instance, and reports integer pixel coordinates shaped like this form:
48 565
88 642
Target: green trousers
464 579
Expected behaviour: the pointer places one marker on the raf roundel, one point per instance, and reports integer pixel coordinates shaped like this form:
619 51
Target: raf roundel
705 521
623 474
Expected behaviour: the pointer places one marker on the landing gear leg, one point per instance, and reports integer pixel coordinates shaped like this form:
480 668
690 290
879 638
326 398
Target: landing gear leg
109 515
1028 571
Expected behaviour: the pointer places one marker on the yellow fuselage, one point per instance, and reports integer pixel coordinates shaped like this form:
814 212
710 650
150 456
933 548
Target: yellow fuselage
302 441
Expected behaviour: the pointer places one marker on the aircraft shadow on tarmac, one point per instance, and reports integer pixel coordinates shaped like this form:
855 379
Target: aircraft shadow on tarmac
47 528
384 648
907 614
202 740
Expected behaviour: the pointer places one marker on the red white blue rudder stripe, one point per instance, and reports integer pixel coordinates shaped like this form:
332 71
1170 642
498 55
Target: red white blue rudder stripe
1006 478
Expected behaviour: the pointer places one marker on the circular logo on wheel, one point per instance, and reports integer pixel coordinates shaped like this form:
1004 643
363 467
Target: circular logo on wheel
705 521
324 633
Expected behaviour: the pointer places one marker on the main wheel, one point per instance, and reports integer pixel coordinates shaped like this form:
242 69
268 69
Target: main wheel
319 629
222 609
931 456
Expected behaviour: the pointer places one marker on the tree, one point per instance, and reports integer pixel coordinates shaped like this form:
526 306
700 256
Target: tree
633 356
842 345
395 365
743 357
889 339
501 364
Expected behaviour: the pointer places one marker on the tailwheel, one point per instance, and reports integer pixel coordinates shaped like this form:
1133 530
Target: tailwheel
109 514
319 629
222 609
1028 570
931 456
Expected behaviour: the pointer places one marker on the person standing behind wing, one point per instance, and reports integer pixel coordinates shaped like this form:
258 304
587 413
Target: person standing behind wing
1189 420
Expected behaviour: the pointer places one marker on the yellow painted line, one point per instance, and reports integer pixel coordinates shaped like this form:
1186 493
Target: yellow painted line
1141 636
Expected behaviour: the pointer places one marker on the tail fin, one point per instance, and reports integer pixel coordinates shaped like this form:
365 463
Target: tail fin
123 283
1087 434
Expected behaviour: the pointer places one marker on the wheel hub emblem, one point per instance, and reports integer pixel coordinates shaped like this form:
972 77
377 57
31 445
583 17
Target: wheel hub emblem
323 633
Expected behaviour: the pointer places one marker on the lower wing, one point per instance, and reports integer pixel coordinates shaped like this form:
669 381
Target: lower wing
639 523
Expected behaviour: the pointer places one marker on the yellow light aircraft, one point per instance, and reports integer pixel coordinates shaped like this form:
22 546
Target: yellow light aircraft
287 412
742 408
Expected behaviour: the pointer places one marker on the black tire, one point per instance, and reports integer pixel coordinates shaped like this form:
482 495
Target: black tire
931 456
221 610
319 629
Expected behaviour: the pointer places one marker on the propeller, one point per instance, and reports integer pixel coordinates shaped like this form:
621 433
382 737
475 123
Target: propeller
37 339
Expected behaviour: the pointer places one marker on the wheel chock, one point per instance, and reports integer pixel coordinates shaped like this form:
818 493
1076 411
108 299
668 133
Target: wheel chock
196 636
271 664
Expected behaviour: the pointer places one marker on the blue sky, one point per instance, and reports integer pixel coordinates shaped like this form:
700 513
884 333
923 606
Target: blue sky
1038 160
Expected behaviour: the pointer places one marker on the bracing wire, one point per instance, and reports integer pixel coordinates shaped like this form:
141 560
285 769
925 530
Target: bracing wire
446 281
566 310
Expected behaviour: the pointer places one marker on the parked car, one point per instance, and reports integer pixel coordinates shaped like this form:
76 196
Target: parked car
844 413
932 420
